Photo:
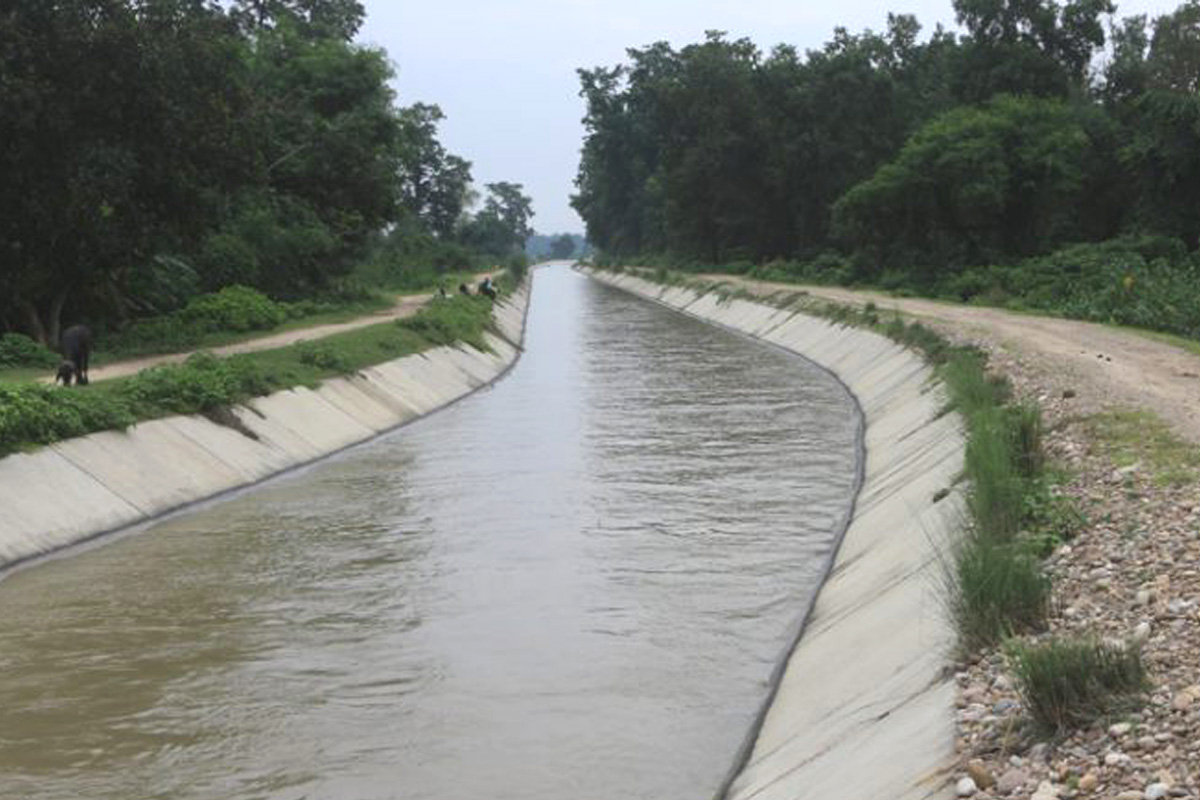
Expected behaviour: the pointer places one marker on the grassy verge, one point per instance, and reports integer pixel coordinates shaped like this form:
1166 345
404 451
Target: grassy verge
32 415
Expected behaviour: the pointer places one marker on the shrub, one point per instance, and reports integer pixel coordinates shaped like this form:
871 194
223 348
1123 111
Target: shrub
1069 683
323 356
996 591
201 383
21 351
234 308
37 414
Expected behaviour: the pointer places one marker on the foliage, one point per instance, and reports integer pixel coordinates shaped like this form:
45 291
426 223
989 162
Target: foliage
1068 683
21 351
971 186
267 151
959 163
234 308
36 414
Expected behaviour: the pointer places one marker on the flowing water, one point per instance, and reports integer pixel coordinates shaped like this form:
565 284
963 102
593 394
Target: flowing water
572 585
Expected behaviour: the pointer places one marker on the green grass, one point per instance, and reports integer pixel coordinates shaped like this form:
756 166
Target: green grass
1131 438
32 415
995 590
1069 683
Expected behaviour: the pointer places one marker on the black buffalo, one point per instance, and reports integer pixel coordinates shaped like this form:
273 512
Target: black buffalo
76 348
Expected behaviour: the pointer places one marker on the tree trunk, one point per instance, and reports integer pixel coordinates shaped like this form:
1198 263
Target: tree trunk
45 329
33 322
54 320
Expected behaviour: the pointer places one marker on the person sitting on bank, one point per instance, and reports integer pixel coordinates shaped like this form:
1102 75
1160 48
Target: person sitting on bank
486 288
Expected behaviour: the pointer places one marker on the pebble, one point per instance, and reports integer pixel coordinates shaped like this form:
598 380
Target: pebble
1089 782
979 773
1045 791
1012 780
966 788
1119 729
1156 791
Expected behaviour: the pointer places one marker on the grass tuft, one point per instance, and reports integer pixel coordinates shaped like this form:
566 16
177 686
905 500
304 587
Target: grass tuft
1069 683
996 591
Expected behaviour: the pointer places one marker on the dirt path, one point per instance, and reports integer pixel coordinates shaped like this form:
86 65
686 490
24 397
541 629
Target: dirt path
405 306
1105 367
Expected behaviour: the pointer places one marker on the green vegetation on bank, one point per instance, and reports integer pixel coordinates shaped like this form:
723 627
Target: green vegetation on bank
1068 683
989 164
268 151
34 414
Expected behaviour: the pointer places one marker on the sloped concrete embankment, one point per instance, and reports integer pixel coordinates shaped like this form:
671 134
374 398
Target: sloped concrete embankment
862 706
77 489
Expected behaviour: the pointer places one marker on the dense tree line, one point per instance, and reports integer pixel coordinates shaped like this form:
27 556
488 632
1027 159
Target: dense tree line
154 149
1039 124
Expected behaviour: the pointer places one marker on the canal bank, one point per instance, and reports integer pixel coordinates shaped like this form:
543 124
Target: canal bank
73 491
861 705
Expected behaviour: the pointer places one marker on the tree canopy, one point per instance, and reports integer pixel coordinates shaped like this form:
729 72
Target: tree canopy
1037 124
151 149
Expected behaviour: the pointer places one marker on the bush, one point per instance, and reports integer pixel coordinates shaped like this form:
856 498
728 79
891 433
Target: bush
1066 684
37 414
323 356
21 351
996 591
234 308
201 383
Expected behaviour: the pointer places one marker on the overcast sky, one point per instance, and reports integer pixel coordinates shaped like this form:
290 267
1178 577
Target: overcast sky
504 71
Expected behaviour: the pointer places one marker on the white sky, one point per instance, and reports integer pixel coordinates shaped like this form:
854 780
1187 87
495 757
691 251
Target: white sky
504 72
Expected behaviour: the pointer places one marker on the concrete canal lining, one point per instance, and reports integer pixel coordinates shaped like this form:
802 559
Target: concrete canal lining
861 706
75 490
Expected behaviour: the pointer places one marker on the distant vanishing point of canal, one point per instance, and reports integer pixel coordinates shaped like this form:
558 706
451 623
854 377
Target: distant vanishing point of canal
571 586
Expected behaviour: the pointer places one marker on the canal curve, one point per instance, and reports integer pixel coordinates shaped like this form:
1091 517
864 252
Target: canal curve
575 584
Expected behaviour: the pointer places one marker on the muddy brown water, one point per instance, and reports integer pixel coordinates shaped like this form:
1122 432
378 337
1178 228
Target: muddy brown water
572 585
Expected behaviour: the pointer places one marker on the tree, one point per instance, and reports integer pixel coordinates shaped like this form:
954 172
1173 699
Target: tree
562 246
974 185
337 19
433 183
502 225
103 166
1027 46
1174 60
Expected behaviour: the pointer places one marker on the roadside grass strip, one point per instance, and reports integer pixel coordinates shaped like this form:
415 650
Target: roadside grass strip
35 414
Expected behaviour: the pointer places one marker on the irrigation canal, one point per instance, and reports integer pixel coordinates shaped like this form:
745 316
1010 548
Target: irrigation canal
574 584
